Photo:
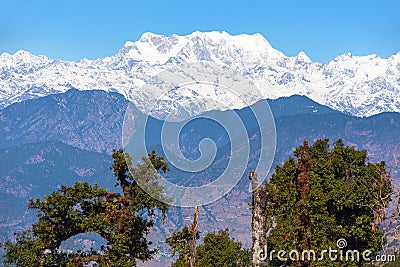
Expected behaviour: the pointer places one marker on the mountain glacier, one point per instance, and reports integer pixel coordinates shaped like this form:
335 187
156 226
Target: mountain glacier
357 85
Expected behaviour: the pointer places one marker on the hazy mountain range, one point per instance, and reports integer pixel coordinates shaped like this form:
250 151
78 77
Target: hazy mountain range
62 138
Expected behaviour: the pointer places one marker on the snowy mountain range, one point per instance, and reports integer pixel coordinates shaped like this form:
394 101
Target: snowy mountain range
358 85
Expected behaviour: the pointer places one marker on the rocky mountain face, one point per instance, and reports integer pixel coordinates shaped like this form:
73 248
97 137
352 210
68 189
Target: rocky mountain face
357 85
89 120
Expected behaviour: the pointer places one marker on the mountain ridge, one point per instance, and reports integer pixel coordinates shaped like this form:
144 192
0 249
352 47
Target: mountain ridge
41 163
358 85
92 120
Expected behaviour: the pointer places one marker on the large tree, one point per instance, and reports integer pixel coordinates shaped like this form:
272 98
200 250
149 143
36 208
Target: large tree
122 219
325 195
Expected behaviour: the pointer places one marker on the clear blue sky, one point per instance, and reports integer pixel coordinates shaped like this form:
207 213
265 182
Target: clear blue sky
72 30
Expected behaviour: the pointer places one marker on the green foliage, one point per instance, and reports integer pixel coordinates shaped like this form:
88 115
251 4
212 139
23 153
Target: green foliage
179 241
123 221
139 184
218 250
347 199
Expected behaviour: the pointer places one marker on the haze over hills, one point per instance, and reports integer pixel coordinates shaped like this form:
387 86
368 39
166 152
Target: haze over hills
92 120
357 85
56 140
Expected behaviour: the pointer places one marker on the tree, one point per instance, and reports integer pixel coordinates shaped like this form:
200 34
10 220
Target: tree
259 220
122 220
184 241
325 196
217 250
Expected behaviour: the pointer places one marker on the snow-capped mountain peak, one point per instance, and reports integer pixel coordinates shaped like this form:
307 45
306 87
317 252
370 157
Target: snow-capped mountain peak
360 85
21 56
198 46
302 57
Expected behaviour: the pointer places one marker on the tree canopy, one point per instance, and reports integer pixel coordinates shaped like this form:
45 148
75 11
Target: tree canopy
217 250
323 196
122 219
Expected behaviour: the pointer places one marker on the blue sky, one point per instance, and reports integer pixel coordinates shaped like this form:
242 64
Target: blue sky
72 30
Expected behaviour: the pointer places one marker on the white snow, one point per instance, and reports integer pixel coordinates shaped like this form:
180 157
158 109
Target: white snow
359 85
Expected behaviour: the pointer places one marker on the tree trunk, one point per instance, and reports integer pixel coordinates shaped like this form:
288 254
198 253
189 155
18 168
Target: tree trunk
303 188
258 222
191 256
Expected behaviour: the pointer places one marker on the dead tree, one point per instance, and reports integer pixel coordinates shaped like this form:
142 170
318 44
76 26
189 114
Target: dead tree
258 222
303 189
303 164
191 256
